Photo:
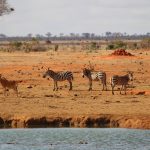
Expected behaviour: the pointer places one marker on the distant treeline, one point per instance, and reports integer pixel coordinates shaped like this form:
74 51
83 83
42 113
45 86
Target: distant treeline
74 36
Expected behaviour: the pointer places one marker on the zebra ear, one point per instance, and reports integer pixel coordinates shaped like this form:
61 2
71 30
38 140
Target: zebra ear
84 66
44 67
131 72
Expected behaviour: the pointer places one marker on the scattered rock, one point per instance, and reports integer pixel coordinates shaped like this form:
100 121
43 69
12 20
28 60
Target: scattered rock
141 93
19 71
107 101
117 101
49 95
30 87
38 75
141 63
135 101
94 97
29 73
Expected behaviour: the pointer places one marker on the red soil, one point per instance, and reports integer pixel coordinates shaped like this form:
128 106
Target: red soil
121 52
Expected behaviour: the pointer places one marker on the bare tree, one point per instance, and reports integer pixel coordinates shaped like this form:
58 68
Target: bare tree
86 35
5 8
48 34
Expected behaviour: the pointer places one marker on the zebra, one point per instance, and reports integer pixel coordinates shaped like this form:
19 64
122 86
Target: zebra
59 76
95 76
121 80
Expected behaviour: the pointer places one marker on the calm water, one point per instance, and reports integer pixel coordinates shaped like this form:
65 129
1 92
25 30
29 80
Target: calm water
74 139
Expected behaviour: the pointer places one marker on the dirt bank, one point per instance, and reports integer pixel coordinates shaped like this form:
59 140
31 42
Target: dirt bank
102 121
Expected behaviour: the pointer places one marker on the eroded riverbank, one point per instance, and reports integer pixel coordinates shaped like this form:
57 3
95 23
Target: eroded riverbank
100 121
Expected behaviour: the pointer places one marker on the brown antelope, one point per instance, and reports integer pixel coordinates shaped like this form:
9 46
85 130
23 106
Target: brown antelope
7 84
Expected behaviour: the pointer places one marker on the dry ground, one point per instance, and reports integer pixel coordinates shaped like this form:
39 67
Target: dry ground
37 98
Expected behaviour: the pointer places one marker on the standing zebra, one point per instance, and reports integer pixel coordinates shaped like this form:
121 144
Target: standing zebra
121 80
59 76
95 76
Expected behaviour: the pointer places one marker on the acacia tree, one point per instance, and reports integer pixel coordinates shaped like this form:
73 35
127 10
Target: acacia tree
5 8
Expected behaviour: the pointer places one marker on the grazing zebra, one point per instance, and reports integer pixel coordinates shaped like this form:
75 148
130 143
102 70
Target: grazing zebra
121 80
95 76
6 84
59 76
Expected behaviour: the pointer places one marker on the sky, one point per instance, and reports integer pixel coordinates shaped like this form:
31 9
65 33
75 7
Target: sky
77 16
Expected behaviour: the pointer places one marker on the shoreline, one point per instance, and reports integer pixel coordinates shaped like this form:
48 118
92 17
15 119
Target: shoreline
96 121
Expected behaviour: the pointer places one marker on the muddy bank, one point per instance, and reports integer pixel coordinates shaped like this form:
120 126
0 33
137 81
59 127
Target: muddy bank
101 121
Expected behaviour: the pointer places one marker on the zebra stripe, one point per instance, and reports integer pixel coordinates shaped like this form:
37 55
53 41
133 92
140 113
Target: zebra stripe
121 80
59 76
95 76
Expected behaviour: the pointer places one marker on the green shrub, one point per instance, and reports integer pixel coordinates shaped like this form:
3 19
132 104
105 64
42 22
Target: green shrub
145 43
93 46
16 45
120 44
56 47
116 45
110 47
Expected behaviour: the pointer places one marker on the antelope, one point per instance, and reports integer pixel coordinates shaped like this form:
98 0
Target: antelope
9 84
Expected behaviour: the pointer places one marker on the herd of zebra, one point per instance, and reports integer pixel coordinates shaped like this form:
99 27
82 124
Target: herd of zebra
68 75
92 76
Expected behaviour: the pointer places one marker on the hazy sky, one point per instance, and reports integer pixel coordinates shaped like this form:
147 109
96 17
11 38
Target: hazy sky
66 16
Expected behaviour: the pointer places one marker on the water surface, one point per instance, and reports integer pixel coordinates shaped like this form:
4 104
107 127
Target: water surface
74 139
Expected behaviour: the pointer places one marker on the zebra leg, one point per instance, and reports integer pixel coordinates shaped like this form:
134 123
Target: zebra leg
121 88
54 85
105 83
125 89
90 85
5 92
112 89
16 91
70 82
103 86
